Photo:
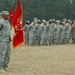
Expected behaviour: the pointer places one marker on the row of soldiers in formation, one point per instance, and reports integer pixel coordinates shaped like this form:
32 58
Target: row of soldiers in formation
48 32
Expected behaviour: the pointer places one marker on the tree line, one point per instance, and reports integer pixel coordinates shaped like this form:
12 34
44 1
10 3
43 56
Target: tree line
43 9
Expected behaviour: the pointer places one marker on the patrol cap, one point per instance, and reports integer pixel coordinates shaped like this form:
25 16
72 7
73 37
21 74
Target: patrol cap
35 21
53 19
5 13
43 20
58 21
28 21
35 18
69 21
39 20
64 19
50 20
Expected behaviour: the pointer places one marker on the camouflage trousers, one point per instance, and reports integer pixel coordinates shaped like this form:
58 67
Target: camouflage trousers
4 55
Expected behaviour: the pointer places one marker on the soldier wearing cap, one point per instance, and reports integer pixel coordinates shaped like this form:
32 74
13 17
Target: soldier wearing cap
53 25
68 28
32 33
50 32
35 32
26 32
4 41
56 32
38 33
43 32
62 33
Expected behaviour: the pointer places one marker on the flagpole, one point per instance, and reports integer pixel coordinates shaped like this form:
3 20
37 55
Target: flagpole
22 8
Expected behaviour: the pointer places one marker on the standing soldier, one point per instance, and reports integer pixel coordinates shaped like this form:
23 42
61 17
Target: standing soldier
73 32
47 38
4 41
35 32
68 28
26 32
43 32
49 32
32 33
56 32
62 33
39 32
52 35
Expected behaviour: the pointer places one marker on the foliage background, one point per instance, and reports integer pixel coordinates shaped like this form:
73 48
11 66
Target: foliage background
43 9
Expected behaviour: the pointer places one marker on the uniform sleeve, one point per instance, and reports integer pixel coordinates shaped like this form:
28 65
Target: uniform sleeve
70 27
1 25
24 27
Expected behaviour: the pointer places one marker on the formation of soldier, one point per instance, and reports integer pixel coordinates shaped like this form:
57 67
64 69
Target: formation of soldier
48 32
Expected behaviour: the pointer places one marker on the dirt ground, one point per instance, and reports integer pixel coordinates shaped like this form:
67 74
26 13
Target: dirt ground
42 60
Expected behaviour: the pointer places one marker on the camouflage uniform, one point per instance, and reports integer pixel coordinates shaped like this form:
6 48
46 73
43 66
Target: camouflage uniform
56 34
26 31
73 33
43 34
4 43
62 34
32 34
31 40
35 33
47 35
38 34
50 33
67 33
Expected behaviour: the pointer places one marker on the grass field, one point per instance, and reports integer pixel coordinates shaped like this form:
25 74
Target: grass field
42 60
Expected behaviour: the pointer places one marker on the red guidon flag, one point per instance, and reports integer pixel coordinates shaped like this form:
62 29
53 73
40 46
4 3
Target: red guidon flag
11 13
17 24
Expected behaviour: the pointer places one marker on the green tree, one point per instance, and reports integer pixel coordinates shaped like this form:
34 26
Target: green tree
43 9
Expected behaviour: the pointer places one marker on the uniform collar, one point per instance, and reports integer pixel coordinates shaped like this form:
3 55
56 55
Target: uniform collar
4 20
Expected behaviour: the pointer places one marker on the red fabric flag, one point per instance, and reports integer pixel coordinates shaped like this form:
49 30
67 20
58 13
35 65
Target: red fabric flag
11 13
18 27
